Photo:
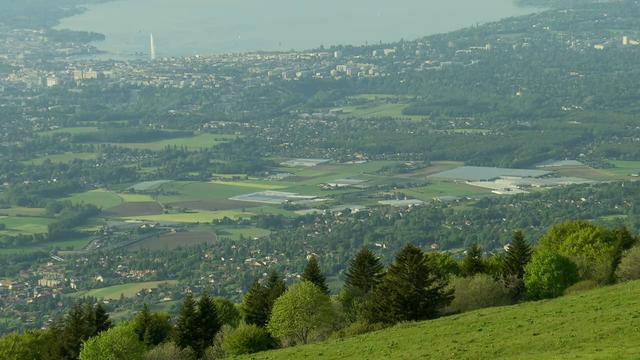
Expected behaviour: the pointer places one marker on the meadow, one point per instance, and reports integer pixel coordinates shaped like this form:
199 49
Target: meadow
126 290
598 324
201 141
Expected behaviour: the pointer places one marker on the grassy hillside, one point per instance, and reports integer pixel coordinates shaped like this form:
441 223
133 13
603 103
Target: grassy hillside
600 324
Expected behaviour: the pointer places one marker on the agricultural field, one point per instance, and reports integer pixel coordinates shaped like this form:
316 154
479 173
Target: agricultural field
126 290
625 168
438 189
71 130
15 225
201 141
174 240
598 324
62 158
69 245
22 211
192 217
101 198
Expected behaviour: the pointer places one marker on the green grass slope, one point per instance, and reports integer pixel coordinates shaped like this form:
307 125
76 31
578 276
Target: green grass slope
599 324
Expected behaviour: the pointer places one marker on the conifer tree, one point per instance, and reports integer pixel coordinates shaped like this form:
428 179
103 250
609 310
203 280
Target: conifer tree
103 322
274 287
208 325
75 331
259 300
365 271
254 304
313 275
410 290
517 256
473 263
186 329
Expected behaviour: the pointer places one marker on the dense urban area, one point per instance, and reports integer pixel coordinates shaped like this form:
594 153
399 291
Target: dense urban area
144 180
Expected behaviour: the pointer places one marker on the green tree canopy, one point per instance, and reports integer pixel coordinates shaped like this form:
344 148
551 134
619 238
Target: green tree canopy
548 275
118 343
594 249
302 311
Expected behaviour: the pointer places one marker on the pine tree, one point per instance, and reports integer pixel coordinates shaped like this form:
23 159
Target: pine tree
75 331
410 290
313 275
365 271
254 305
517 257
141 323
208 325
186 329
274 287
259 300
473 263
102 319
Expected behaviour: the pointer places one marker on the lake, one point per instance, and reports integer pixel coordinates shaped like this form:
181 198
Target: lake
189 27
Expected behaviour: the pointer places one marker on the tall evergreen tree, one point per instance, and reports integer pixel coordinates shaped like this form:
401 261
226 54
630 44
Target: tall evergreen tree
259 300
103 322
313 274
517 256
186 329
364 272
473 263
274 287
254 304
75 330
410 290
208 325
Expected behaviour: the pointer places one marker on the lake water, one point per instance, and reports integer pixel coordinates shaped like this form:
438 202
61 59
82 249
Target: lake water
188 27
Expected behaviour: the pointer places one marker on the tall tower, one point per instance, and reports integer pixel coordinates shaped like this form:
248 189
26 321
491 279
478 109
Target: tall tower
152 49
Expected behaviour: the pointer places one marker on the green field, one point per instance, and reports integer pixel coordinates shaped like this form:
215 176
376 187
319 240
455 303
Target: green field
22 211
625 168
62 158
126 290
24 225
377 110
190 191
437 189
201 141
193 217
101 198
77 244
71 130
235 232
600 324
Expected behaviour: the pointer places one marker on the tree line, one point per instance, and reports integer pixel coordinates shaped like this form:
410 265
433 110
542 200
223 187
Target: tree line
573 256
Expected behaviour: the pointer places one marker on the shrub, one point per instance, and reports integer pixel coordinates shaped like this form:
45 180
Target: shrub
169 351
629 268
549 275
581 286
478 292
358 328
247 339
